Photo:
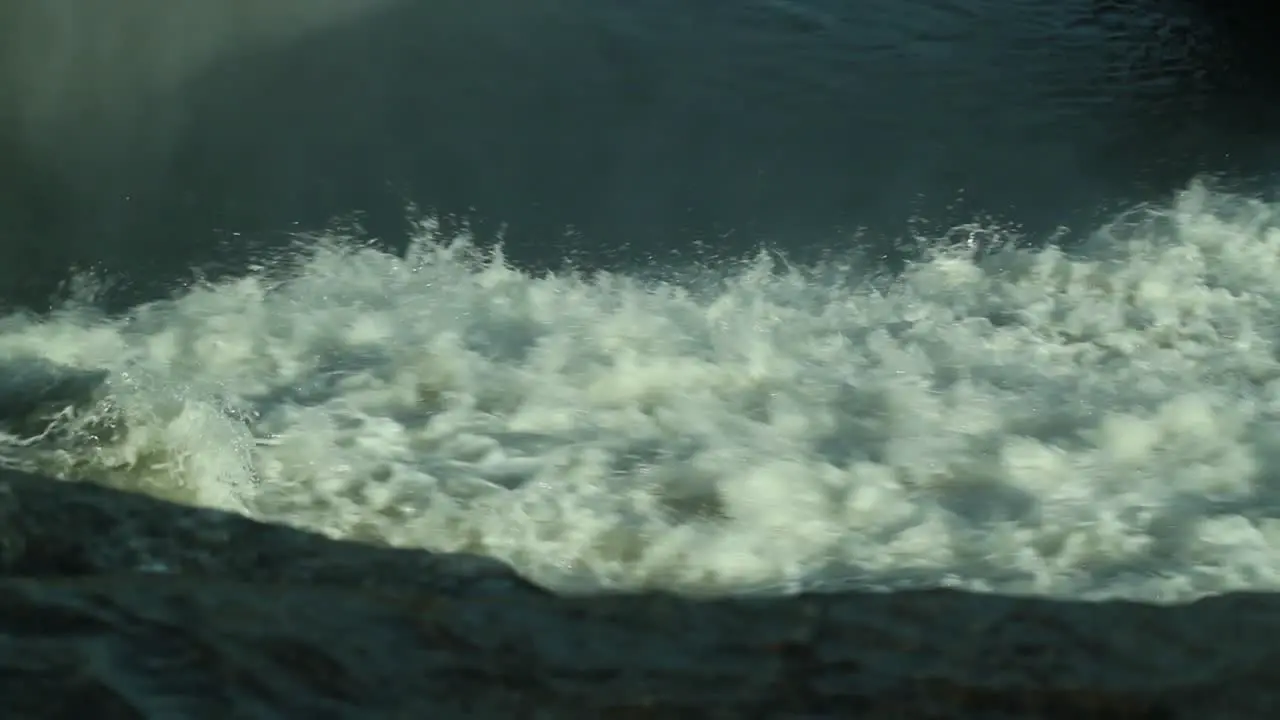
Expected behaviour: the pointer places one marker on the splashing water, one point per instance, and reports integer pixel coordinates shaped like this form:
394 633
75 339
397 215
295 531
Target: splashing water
1095 423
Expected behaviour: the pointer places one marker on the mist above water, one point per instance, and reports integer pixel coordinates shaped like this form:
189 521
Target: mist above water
154 139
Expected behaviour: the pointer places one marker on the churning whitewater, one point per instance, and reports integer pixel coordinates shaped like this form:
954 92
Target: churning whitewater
1102 421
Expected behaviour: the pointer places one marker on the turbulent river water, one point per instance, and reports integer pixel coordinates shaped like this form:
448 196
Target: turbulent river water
707 296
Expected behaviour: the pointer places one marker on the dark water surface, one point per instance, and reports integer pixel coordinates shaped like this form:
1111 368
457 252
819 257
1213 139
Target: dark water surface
612 133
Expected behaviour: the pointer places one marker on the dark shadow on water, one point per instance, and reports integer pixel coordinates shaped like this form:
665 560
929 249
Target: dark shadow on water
129 606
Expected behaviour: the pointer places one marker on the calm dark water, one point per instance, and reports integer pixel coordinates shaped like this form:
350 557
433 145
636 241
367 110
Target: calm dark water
622 133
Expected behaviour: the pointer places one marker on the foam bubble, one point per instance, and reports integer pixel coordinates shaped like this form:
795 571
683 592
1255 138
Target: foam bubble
1095 423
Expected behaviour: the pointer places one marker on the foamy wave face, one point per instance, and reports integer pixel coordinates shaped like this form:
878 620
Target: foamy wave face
1100 423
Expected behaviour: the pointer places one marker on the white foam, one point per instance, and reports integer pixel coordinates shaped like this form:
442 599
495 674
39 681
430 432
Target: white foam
1094 423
